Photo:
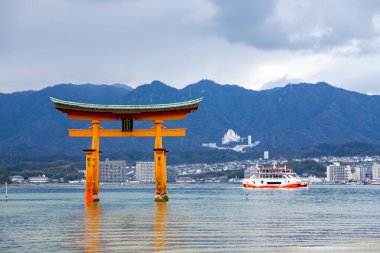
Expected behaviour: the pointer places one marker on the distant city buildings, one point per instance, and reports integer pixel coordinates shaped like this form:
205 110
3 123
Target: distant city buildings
360 174
145 172
375 171
113 171
353 170
266 155
338 173
315 180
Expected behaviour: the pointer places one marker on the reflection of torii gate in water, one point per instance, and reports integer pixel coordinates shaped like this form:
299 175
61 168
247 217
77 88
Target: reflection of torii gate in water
127 114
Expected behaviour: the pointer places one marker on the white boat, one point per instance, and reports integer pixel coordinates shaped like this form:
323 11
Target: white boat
274 178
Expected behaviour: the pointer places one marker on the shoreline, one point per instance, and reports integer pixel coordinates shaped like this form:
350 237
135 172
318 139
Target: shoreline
131 184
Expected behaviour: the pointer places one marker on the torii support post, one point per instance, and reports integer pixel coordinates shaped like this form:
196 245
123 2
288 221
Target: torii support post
161 194
90 168
165 172
96 156
160 175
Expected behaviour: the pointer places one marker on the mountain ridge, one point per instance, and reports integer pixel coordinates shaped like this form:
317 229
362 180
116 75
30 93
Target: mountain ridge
295 116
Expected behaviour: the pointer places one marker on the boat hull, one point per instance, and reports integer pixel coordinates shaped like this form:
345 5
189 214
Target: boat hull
296 185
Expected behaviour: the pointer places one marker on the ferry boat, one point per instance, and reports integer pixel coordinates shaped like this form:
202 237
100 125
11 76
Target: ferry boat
274 178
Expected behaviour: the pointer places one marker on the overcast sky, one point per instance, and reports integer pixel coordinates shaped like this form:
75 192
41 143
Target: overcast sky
255 44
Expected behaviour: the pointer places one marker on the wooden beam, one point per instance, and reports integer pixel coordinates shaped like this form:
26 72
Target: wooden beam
175 115
134 133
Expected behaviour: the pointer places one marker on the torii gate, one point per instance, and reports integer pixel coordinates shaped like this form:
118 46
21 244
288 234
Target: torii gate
96 113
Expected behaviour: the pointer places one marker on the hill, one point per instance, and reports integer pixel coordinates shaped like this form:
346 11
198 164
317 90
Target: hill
297 118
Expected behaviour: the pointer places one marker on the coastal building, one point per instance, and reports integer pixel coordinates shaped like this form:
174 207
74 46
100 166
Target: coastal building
375 171
17 179
315 180
39 179
360 173
182 180
338 173
145 172
113 171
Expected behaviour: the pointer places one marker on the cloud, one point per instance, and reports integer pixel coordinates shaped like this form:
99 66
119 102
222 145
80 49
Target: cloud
256 44
297 24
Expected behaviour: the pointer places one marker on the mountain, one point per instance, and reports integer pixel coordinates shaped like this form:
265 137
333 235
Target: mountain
30 127
294 117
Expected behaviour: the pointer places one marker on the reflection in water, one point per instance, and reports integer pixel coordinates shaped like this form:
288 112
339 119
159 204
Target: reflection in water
160 226
92 227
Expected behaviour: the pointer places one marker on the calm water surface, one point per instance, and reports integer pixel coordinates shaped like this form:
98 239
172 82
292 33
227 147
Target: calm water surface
198 218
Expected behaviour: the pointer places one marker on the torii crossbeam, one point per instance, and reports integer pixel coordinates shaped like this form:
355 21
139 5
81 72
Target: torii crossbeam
96 113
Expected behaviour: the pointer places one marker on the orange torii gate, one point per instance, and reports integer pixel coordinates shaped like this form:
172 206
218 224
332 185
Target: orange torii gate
96 113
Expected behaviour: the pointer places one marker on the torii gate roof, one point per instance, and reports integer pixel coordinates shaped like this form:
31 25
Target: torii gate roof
84 111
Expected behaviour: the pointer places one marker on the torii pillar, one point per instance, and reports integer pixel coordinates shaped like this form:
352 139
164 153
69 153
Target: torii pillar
96 155
90 169
159 165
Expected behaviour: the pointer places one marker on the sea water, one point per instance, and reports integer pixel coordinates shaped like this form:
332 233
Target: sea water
197 218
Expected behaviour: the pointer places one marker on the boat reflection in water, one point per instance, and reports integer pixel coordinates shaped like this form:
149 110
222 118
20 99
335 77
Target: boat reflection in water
160 227
92 227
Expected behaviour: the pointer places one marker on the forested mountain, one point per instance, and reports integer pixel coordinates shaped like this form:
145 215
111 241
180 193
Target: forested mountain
294 117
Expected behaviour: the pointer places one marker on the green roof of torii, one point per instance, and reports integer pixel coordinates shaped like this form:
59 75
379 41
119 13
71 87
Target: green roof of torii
122 109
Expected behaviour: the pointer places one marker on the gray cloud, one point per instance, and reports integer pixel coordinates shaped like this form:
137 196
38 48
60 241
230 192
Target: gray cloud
256 44
296 24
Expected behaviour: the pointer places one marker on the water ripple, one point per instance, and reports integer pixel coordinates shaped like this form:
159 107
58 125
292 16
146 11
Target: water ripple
198 218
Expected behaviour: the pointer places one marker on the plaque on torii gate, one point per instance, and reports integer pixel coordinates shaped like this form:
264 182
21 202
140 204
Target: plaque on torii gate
96 113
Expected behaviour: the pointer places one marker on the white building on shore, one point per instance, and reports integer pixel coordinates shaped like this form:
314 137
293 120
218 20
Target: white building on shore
360 173
39 179
17 179
113 171
375 171
145 172
338 173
